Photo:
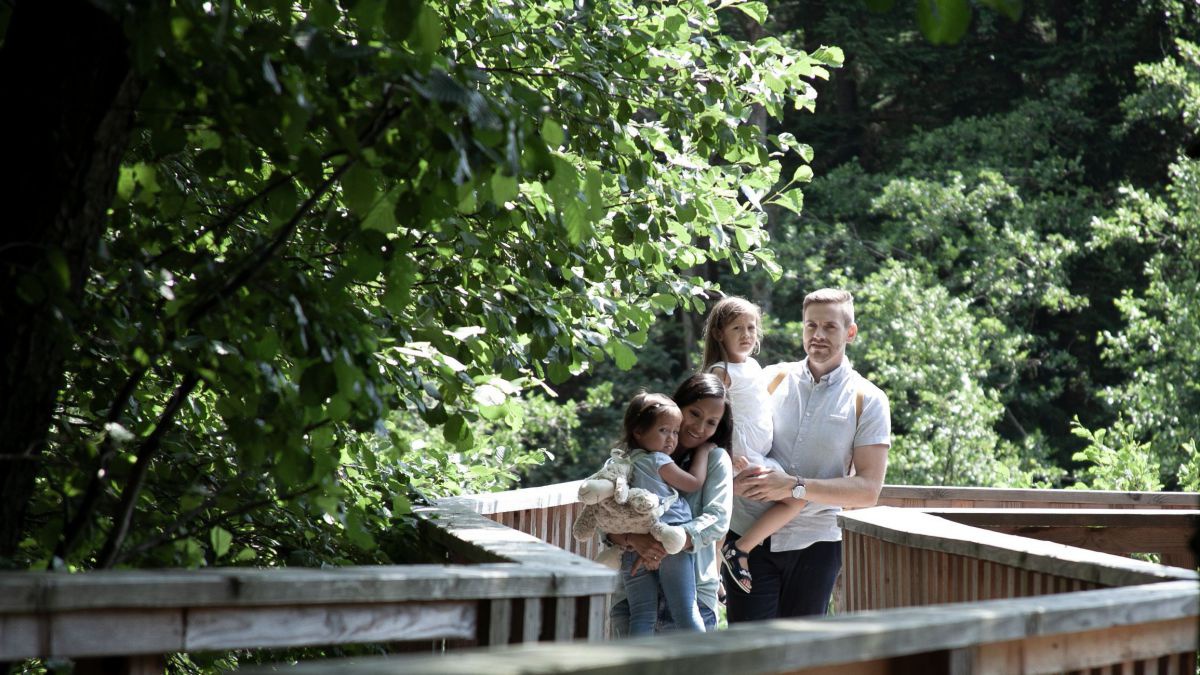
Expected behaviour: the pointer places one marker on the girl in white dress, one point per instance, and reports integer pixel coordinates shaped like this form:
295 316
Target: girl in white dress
731 338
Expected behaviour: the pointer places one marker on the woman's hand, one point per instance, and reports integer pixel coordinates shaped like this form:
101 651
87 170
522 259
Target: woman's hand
650 552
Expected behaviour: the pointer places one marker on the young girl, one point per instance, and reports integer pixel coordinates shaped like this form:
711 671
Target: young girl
650 435
731 337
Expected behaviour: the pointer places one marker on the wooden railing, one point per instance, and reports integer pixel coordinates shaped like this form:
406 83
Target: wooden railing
961 599
898 557
547 513
950 545
544 512
1140 629
513 588
1164 533
1007 498
523 585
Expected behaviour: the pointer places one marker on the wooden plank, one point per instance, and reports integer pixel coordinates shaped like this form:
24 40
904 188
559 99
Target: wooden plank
90 633
922 530
1093 649
564 619
112 589
23 636
537 570
793 645
597 614
526 499
910 495
1184 519
499 623
213 628
531 620
1116 540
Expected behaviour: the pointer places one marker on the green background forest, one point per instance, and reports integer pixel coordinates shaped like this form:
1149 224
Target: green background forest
279 270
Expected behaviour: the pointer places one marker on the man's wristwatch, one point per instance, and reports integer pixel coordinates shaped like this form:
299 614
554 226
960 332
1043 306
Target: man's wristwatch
799 491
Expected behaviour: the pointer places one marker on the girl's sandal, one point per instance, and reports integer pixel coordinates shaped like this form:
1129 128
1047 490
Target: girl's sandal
738 564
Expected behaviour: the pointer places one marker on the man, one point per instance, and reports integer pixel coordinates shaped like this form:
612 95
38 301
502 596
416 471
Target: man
831 438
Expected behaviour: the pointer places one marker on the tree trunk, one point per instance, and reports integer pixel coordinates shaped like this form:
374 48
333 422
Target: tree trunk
67 76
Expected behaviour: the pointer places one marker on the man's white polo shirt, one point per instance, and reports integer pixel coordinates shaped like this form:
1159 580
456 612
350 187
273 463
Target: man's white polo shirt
815 434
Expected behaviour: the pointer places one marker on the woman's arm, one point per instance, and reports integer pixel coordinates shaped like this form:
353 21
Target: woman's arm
710 521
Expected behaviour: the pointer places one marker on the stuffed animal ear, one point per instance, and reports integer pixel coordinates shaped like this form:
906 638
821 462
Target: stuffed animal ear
595 490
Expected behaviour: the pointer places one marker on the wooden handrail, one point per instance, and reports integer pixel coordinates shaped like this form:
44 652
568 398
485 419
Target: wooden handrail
561 494
1074 631
981 497
897 557
528 590
918 529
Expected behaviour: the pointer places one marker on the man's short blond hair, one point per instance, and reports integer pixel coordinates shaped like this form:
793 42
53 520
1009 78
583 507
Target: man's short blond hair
832 296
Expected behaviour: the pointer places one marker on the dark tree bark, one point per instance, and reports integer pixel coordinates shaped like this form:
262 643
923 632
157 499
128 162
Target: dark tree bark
70 92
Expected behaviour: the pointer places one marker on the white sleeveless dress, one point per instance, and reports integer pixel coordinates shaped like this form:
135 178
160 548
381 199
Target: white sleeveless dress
751 410
752 428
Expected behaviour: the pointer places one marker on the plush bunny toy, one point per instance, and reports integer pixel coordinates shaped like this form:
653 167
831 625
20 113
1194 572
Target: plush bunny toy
614 507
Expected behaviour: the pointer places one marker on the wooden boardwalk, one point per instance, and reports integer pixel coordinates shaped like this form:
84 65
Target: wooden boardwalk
941 580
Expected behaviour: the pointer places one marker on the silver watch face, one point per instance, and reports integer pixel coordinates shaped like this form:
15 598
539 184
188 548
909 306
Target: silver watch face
798 492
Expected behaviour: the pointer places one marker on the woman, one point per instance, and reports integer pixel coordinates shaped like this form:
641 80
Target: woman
707 418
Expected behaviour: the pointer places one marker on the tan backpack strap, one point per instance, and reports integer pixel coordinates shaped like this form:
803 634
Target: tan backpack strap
858 404
776 381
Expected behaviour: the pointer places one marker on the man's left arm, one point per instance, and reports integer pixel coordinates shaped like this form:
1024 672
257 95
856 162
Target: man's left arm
860 489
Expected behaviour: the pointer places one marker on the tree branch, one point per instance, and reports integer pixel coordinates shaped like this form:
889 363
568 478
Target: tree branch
145 455
173 531
75 527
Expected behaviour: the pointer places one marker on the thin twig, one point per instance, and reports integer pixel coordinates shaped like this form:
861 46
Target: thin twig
145 455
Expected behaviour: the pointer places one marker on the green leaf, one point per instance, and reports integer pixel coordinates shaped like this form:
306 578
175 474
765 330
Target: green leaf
359 189
58 265
504 188
792 200
663 301
220 538
426 39
318 383
622 355
454 429
593 182
943 22
323 13
398 17
368 13
829 56
803 174
754 10
552 133
357 531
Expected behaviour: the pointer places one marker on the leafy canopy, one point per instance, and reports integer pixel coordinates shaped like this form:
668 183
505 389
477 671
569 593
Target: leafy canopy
338 220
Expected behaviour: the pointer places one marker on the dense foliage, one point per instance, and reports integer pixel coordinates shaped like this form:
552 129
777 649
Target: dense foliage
325 258
1012 200
337 241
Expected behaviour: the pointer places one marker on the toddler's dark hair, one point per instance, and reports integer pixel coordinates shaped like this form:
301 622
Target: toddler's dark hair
641 413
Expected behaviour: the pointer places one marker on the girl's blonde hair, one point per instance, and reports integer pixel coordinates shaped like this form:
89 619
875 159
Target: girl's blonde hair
643 410
720 316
